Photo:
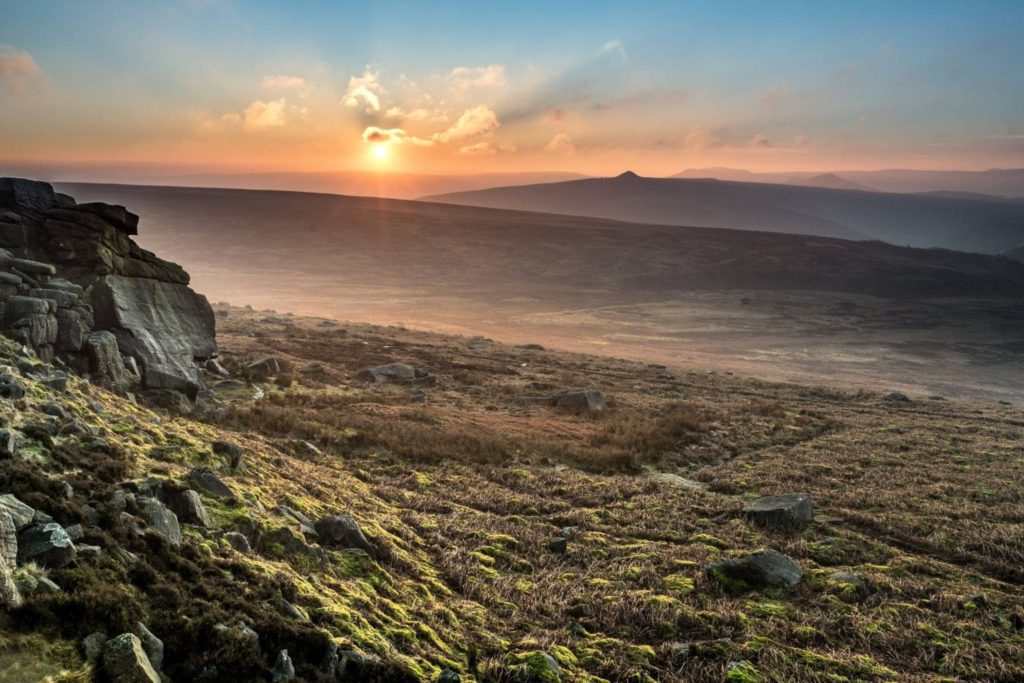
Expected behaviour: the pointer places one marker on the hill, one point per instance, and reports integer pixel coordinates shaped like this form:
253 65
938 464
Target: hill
364 183
830 181
923 221
1004 182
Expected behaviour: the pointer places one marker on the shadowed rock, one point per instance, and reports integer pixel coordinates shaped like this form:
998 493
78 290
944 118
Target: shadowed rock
789 512
46 544
125 661
763 569
161 520
344 531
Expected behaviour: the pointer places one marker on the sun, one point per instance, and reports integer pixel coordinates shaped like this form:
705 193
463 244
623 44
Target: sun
380 151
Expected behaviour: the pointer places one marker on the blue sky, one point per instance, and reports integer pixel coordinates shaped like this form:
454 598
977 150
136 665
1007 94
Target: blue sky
582 86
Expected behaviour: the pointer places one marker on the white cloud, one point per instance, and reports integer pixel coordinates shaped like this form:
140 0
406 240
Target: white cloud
474 122
561 143
283 82
18 70
464 78
615 47
364 91
260 115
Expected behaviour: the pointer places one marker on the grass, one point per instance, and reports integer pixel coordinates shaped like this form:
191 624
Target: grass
463 494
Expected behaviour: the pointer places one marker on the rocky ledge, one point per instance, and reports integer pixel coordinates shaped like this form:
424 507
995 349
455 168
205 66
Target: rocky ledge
78 290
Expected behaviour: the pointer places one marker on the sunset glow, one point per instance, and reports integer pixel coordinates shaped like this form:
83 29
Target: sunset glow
257 86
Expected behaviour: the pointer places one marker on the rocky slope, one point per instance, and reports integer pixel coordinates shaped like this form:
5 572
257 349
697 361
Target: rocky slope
76 287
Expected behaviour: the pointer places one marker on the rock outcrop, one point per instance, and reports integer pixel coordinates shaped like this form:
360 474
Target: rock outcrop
73 284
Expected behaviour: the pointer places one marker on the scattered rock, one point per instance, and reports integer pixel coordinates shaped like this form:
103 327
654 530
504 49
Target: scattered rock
448 676
343 531
762 569
48 545
537 667
8 443
233 453
21 514
161 520
264 369
125 661
188 507
214 367
587 401
8 539
851 587
284 670
392 372
789 512
896 397
106 367
11 388
153 646
238 541
205 480
559 545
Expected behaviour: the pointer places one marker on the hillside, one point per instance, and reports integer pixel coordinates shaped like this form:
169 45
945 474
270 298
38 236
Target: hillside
1004 182
915 220
347 502
746 301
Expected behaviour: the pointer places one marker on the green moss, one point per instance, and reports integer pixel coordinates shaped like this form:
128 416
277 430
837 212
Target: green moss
679 583
742 672
563 655
539 667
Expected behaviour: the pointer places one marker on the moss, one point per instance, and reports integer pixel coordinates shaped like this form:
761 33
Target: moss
539 667
563 655
767 608
678 583
742 672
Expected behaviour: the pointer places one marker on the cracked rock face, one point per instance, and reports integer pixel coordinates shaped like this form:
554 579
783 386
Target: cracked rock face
68 271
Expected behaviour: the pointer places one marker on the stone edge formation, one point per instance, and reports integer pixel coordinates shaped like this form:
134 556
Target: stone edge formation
77 290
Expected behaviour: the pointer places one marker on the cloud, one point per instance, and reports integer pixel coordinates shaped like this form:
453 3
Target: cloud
474 122
395 136
616 47
18 70
364 91
260 115
464 78
760 140
484 148
418 114
561 143
283 82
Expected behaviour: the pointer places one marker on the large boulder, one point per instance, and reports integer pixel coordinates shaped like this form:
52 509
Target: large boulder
161 520
585 401
46 544
166 326
106 367
344 531
762 569
26 194
125 661
789 512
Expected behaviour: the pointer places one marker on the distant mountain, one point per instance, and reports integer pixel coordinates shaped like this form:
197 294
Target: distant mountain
363 183
1003 182
830 181
915 220
1017 253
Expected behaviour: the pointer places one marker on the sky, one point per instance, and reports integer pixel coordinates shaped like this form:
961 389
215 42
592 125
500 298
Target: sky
460 87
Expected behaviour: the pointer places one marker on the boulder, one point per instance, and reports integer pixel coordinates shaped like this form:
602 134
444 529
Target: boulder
26 194
343 531
161 520
72 329
762 569
188 507
205 480
8 539
20 513
392 372
106 366
166 326
585 401
116 215
8 444
153 646
231 451
238 541
448 676
789 512
284 670
11 388
46 544
125 661
559 545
